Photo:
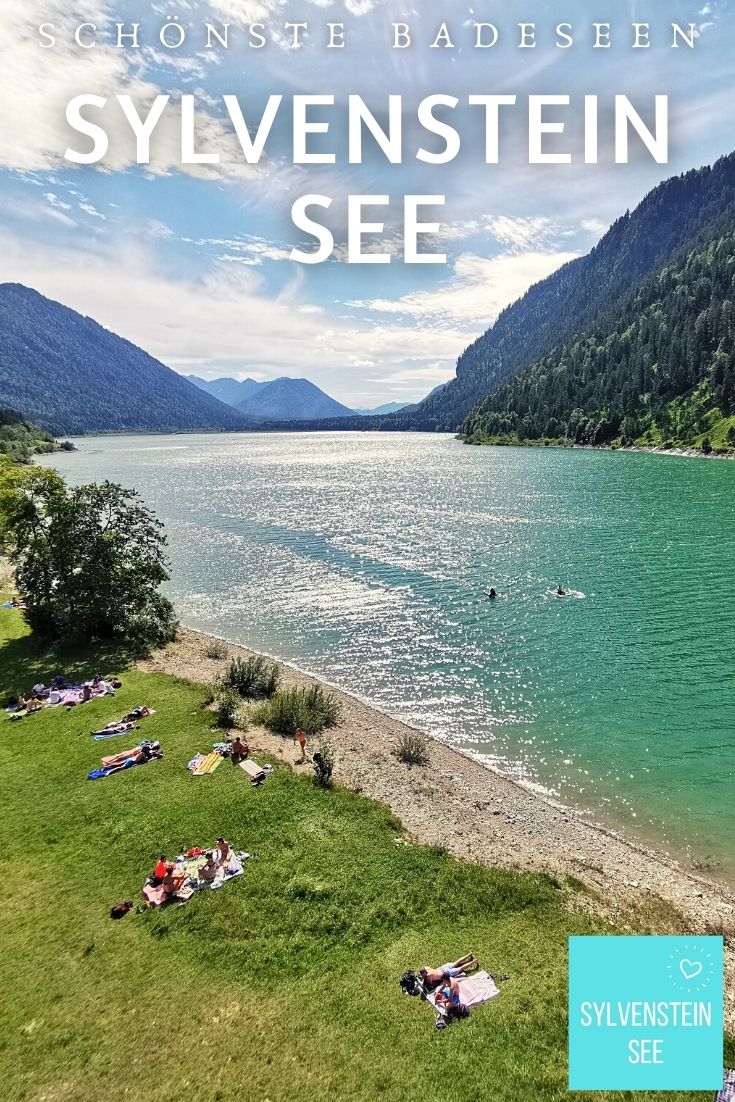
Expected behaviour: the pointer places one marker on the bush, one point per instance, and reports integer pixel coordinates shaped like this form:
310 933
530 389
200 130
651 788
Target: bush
251 677
706 445
227 704
413 748
216 649
324 761
312 709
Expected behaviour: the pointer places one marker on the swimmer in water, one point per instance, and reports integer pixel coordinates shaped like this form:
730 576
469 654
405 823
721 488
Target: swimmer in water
492 593
560 592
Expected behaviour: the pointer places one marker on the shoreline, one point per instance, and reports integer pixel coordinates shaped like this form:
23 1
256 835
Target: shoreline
480 815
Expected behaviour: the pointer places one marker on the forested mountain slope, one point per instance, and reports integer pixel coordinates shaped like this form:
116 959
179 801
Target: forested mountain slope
68 374
660 367
682 212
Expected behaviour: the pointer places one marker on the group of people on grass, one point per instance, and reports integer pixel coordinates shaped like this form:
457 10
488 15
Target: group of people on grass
171 876
61 691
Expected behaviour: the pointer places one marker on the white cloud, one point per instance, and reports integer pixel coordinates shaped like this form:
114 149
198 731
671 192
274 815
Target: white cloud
521 233
478 290
225 324
37 83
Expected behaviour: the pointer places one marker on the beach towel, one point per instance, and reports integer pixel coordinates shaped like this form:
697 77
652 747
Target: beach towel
254 771
727 1094
475 989
99 774
207 765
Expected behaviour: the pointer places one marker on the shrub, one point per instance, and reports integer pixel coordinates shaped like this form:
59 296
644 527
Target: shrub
216 649
252 677
324 765
706 445
227 704
311 709
412 748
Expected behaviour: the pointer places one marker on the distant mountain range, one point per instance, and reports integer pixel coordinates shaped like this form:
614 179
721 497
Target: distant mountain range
283 399
69 375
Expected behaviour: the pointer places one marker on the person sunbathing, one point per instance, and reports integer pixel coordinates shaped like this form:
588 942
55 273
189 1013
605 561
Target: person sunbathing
173 881
137 756
208 871
223 851
240 750
447 997
432 977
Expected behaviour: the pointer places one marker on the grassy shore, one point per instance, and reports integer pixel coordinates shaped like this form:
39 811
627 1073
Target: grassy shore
282 985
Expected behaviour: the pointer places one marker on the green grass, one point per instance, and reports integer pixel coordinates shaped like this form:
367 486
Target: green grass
284 984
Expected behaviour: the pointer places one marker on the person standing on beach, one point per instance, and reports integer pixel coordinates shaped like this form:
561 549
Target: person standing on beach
300 737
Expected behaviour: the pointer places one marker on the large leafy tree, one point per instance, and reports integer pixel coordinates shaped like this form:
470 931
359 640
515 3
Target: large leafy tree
89 560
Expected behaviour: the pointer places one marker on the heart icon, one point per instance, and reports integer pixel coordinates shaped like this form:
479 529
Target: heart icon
690 969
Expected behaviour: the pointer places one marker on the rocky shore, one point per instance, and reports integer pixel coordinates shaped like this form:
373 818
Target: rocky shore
481 816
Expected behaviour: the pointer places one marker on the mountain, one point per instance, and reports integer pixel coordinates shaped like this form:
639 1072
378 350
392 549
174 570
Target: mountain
389 407
681 213
68 374
658 369
291 399
230 391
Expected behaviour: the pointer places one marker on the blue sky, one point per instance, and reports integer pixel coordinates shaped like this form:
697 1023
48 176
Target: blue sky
194 265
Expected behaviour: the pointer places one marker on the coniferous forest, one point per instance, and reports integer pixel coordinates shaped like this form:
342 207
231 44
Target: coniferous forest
659 368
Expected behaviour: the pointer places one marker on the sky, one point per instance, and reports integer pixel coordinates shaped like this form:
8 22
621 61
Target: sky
193 263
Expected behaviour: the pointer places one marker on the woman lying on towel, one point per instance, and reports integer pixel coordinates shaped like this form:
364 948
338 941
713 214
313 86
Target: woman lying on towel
139 755
136 756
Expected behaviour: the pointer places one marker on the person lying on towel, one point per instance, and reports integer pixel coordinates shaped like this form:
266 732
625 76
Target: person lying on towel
127 758
432 977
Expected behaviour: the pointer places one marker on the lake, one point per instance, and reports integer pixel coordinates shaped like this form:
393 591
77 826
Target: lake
364 558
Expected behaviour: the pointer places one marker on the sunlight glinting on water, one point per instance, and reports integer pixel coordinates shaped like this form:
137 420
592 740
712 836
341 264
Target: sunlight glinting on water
365 558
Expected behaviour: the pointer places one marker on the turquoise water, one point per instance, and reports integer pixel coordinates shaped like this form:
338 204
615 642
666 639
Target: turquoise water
364 558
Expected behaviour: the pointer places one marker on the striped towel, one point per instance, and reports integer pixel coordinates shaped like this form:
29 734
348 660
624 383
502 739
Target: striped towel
727 1094
208 765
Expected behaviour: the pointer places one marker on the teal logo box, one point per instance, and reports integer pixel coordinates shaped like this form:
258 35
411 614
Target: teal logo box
646 1013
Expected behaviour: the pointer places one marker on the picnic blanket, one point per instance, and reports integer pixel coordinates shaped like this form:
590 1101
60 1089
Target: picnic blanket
727 1094
207 765
477 988
191 866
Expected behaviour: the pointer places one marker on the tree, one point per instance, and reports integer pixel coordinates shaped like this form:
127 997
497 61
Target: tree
88 559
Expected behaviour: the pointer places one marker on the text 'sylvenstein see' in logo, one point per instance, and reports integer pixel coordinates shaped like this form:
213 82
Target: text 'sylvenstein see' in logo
645 1013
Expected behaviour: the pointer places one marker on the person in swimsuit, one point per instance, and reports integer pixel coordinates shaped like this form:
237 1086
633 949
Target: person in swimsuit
432 977
300 738
208 871
223 851
447 997
240 750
